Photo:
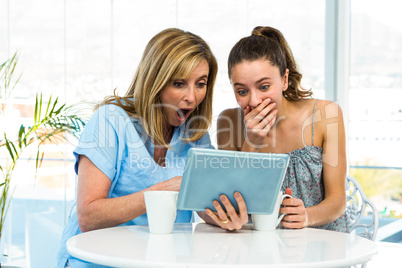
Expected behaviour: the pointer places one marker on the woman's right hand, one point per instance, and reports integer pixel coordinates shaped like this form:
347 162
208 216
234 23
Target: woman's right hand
258 122
230 220
172 184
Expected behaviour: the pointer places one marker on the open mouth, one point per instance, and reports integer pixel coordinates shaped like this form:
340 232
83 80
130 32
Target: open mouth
182 113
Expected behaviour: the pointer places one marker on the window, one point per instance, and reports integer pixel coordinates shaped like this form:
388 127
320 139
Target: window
375 129
82 50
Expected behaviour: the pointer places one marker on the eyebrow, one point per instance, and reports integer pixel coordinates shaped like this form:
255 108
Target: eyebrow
264 78
202 77
257 82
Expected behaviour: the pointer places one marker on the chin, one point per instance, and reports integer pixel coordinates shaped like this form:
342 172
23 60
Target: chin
176 123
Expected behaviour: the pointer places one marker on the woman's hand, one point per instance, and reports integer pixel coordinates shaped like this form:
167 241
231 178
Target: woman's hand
172 184
259 121
230 220
296 214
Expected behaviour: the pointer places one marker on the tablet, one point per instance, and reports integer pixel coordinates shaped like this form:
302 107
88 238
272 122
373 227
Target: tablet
210 173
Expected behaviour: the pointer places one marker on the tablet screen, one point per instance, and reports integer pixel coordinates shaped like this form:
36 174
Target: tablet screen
210 173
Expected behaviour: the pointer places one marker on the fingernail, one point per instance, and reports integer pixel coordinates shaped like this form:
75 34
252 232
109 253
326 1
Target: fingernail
215 203
237 194
222 197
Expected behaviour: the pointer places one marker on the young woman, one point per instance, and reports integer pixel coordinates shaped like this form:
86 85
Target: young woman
276 115
139 142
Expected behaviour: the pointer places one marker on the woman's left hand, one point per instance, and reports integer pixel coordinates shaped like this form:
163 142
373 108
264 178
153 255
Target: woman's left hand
230 220
296 214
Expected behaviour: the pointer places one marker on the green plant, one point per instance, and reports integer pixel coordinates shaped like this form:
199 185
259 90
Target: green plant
52 123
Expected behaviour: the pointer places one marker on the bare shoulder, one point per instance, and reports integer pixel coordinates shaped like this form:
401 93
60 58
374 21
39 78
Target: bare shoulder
325 114
304 108
329 110
329 123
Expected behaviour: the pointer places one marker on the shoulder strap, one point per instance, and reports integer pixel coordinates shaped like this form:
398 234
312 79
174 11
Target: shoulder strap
312 128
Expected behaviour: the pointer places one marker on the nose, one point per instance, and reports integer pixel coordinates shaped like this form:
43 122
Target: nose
255 99
190 94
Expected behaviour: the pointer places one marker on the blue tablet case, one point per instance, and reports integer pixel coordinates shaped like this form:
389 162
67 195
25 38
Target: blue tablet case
210 173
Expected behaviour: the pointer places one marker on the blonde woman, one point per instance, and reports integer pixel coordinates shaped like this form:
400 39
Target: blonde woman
276 115
139 142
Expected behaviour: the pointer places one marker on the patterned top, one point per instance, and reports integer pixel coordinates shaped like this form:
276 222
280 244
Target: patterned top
304 178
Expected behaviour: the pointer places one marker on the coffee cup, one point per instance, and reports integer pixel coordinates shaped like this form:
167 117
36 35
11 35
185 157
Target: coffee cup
271 221
161 210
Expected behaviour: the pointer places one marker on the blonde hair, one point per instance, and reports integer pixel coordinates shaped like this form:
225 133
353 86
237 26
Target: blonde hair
270 44
171 54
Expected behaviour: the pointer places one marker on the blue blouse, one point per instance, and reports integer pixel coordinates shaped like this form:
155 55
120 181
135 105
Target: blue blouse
118 146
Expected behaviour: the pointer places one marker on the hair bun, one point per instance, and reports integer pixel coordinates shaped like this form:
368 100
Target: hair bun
268 32
256 32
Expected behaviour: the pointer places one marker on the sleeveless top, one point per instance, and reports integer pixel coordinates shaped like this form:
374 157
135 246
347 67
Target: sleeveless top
304 178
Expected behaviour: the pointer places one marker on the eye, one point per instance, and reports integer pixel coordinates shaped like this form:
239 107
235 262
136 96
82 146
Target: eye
178 84
264 87
201 84
242 92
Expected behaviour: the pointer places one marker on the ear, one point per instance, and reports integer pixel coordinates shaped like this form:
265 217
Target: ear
285 80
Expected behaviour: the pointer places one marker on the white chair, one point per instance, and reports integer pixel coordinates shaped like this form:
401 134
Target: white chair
356 204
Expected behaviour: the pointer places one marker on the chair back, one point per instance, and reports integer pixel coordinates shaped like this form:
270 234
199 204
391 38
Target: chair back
356 204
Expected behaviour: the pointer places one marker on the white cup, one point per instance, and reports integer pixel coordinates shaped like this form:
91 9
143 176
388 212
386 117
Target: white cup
270 222
161 210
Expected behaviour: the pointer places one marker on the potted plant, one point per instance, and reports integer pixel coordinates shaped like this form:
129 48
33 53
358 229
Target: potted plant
52 123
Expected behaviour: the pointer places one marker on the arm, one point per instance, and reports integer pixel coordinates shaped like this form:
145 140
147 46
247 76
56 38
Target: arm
95 210
334 169
334 176
228 135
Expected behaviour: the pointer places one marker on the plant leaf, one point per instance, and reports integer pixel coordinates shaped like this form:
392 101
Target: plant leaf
48 105
21 135
36 110
9 148
40 105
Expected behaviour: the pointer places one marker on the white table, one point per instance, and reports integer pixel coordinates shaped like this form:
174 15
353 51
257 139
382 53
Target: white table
388 255
203 245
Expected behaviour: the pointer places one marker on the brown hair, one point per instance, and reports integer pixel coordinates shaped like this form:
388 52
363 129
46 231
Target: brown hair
270 44
171 54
